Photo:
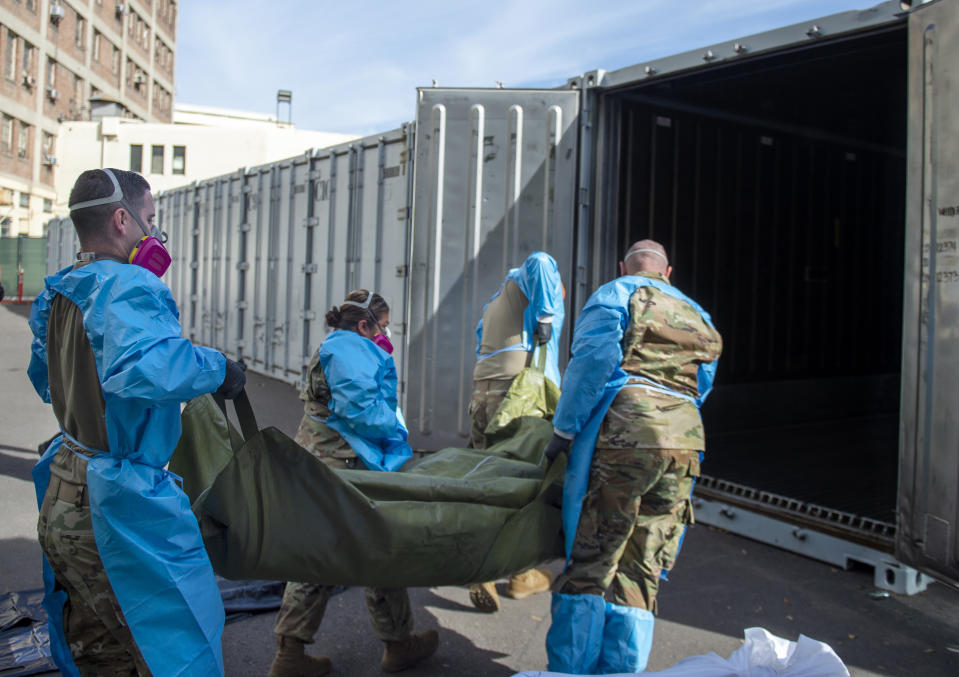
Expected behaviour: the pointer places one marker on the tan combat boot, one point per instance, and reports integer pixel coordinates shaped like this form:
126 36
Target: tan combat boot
408 652
484 596
529 582
292 661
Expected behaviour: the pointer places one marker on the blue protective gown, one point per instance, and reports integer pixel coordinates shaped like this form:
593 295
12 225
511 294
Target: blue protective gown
145 532
363 403
539 280
588 634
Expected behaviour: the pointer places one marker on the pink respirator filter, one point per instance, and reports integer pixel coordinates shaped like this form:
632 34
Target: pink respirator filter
152 255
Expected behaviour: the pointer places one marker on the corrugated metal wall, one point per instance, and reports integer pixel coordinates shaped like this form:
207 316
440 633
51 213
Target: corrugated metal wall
62 244
495 181
260 255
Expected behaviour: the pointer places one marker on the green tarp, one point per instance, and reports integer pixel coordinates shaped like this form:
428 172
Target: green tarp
268 509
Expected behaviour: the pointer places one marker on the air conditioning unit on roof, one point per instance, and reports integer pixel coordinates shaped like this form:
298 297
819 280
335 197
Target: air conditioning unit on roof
56 13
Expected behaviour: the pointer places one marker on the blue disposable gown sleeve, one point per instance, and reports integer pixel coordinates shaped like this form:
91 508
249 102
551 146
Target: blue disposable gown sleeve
37 370
356 399
542 286
597 354
145 357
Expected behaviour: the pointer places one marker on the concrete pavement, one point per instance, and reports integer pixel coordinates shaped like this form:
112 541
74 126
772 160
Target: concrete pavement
721 584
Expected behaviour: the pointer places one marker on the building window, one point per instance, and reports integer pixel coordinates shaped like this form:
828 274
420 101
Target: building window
28 52
156 162
136 157
4 227
47 205
23 140
25 200
179 159
78 90
6 132
51 72
10 65
31 5
48 143
96 45
81 32
115 61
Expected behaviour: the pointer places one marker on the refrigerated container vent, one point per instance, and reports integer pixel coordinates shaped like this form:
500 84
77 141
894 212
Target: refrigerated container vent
797 508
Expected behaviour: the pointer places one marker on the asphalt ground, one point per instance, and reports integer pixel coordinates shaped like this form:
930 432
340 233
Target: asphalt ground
721 585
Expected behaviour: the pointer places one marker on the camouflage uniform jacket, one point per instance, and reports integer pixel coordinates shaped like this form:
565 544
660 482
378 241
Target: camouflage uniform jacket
313 434
664 343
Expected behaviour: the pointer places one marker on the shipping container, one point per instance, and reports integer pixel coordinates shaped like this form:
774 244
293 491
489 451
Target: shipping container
261 254
804 182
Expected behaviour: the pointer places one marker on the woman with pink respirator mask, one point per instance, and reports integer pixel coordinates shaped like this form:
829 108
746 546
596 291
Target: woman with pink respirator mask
351 421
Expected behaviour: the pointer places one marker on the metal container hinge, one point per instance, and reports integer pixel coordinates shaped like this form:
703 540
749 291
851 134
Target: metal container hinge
310 268
311 222
315 174
402 271
194 264
243 265
245 227
242 305
308 314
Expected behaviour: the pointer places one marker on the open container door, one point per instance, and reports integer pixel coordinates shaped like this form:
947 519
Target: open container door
929 441
495 179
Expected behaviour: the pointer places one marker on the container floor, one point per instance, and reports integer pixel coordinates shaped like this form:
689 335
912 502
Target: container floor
849 465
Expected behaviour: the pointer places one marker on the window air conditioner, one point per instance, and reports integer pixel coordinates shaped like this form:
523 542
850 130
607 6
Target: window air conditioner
52 93
22 154
56 13
121 9
29 80
139 78
50 160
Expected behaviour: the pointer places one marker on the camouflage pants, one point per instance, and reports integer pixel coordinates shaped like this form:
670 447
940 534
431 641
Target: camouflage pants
488 394
634 514
96 632
304 604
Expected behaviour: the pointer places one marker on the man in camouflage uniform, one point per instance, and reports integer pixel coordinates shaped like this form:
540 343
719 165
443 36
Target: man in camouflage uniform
647 452
304 604
79 339
501 356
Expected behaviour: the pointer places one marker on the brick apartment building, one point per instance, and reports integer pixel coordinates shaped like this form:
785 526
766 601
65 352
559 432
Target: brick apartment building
73 60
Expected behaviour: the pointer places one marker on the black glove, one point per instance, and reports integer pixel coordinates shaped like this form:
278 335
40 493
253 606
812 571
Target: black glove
556 446
234 380
544 330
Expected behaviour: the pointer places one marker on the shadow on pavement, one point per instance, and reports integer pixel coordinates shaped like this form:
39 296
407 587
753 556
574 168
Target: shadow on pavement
13 465
725 583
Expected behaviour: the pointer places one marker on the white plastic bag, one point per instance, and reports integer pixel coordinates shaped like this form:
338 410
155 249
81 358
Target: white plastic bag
761 655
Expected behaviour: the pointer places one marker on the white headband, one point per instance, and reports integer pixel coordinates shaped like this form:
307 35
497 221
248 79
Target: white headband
365 305
651 251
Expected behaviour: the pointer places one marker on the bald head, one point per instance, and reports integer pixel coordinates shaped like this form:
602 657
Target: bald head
646 256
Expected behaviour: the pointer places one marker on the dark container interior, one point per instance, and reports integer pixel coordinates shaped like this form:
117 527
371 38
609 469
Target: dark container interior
778 184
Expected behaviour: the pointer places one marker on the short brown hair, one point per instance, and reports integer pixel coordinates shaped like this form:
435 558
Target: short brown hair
95 183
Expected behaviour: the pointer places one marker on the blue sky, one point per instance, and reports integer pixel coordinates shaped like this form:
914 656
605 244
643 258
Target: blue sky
353 66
